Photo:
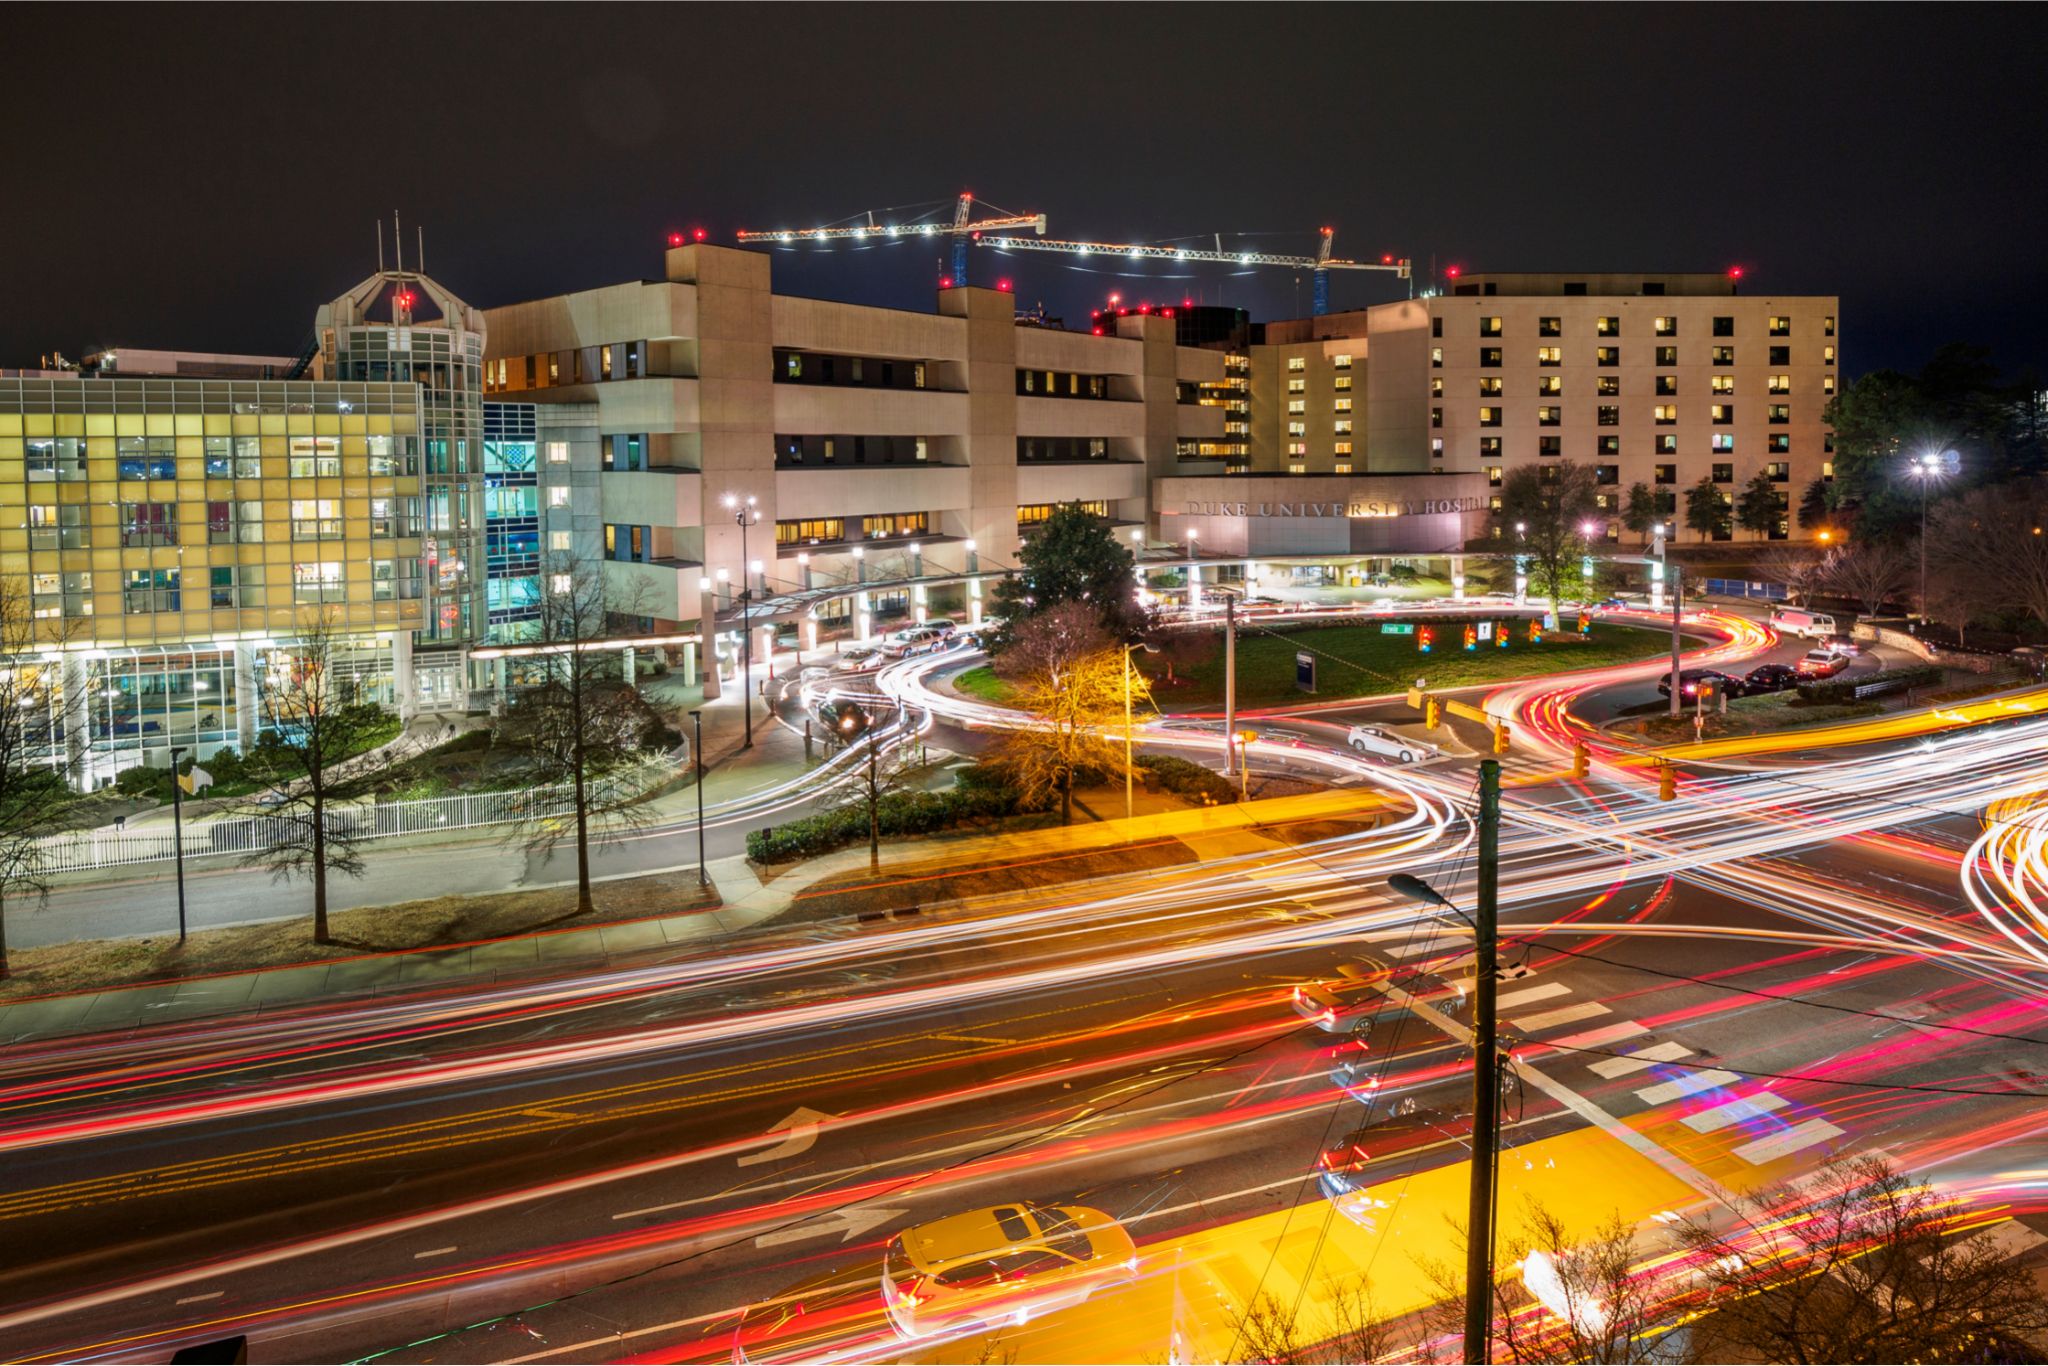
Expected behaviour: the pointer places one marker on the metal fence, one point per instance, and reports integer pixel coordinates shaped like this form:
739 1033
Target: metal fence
241 836
1743 588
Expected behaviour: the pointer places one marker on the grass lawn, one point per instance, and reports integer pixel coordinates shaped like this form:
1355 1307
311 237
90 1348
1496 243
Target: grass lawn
1355 661
1755 716
981 682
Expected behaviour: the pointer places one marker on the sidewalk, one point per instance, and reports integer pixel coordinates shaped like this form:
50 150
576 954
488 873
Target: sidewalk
748 901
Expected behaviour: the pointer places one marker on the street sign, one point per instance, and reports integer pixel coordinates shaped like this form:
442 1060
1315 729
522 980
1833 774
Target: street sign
1397 628
1486 630
1304 671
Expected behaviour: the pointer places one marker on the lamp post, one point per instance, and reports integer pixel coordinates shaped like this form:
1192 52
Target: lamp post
697 753
1129 809
1486 1070
1927 467
178 834
745 515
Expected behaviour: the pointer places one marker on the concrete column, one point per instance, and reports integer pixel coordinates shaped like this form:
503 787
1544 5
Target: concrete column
1458 578
803 569
628 666
247 703
401 675
707 630
690 674
77 718
500 671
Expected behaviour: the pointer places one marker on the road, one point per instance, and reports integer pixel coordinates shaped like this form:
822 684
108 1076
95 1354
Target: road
1820 955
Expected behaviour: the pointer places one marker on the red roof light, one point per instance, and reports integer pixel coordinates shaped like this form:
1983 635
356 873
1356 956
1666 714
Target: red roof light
1098 331
945 282
1454 271
697 234
1735 272
675 239
1003 285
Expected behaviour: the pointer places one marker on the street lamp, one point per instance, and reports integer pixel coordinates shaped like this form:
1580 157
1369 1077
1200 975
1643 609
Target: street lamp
1129 810
1927 467
745 515
697 753
178 834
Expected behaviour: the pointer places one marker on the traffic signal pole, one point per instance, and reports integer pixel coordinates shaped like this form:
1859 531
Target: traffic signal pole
1485 1070
1676 595
1230 754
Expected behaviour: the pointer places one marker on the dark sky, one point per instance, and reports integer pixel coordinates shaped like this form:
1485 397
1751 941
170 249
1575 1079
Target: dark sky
202 177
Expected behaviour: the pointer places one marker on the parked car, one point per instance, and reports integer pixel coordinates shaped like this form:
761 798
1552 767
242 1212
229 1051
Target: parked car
1765 678
1797 621
1691 681
1821 664
1374 740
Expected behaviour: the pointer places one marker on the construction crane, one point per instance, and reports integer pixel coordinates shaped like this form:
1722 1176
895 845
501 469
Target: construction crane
964 228
1321 264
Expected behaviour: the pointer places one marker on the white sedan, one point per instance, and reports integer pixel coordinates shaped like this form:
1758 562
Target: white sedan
1373 740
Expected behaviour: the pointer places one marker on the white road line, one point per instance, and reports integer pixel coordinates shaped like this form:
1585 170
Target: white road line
1584 1010
1790 1141
1735 1112
432 1252
1514 1000
1603 1036
2015 1239
201 1299
1691 1084
1418 950
1641 1060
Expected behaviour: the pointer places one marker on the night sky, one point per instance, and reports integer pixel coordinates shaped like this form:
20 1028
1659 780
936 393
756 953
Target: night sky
201 178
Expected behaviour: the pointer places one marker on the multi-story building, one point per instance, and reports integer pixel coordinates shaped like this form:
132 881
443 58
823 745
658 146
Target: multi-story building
540 502
1662 380
873 445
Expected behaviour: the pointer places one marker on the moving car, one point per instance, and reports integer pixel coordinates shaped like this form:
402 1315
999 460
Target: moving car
1821 664
1840 644
1374 740
1339 1170
1003 1265
1769 678
808 1321
1690 681
866 657
1346 1005
1797 621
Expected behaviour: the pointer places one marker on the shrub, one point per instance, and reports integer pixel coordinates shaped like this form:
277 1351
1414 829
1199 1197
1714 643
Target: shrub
144 781
1893 680
985 797
1189 780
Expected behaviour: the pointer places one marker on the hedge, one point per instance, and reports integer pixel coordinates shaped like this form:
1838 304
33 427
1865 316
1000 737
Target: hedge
1185 779
1894 680
981 796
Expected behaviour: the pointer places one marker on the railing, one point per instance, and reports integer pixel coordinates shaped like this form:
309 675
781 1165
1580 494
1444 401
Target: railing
1743 588
242 836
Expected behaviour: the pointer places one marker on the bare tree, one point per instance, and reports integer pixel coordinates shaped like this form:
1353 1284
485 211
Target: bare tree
1871 574
1347 1329
1861 1263
1797 568
30 789
576 721
322 729
1068 673
1993 538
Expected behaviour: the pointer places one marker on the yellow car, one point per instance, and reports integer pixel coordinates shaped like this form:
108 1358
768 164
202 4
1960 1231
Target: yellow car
999 1266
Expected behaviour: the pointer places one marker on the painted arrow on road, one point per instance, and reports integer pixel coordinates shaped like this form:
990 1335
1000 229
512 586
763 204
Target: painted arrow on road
845 1222
801 1126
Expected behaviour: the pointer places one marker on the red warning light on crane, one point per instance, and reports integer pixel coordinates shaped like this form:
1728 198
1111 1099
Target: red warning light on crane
1003 285
1735 272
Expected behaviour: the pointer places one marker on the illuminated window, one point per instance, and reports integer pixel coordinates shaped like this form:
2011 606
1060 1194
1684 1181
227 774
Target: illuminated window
1550 355
1343 448
1666 327
1549 327
1827 469
1297 429
1436 386
1607 355
1779 443
315 456
1781 327
1666 414
561 540
1297 386
1781 384
1667 444
318 581
1723 443
1827 384
1343 405
558 452
1549 416
1297 448
1436 357
1724 355
1297 364
149 524
560 583
1779 414
1297 405
316 519
1341 467
1608 386
1779 471
1489 327
1341 363
1722 413
1296 467
1609 445
1494 474
150 590
1667 385
1607 327
1827 326
1827 355
1489 417
1343 382
1342 426
1489 386
558 497
1667 355
1550 385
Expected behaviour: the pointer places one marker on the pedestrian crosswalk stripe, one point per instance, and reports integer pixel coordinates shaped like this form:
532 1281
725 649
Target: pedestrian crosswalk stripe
1788 1141
1427 946
1584 1010
1641 1059
1735 1112
1689 1085
1603 1036
1514 1000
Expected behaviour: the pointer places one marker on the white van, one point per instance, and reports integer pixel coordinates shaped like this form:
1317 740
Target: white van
1797 621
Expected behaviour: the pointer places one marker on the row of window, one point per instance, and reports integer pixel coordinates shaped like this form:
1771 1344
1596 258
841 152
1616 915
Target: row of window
1609 415
832 530
226 585
852 450
139 458
1031 514
64 527
1721 443
1297 364
1665 386
1609 357
1062 384
855 372
1721 472
1777 325
579 365
1057 449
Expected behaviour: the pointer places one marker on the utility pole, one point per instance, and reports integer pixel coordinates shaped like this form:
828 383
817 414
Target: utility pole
178 833
1230 755
697 753
874 798
1485 1070
1677 594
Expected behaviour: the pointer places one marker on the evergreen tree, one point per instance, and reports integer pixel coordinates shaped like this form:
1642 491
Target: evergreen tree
1706 510
1072 556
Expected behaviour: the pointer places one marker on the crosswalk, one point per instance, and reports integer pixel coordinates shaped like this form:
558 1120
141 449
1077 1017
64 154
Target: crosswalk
1656 1072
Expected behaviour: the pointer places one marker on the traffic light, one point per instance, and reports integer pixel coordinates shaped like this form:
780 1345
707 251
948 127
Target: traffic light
1432 713
1500 737
1425 638
1501 632
1667 782
1535 630
1581 759
1585 622
1471 637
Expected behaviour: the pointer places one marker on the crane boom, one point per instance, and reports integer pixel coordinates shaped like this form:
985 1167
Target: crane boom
860 232
1141 252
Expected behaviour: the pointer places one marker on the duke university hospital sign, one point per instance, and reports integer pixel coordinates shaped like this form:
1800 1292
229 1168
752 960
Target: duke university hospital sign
1362 507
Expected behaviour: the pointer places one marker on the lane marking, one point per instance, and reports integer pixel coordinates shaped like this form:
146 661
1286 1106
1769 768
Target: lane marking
1584 1010
1640 1060
1420 950
201 1299
432 1252
1689 1085
1735 1112
1790 1141
1515 1000
1601 1037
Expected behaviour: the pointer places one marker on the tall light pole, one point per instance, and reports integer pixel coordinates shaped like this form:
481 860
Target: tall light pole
1129 809
1927 467
1486 1070
178 834
746 515
697 753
